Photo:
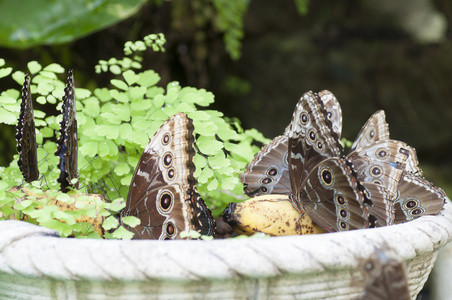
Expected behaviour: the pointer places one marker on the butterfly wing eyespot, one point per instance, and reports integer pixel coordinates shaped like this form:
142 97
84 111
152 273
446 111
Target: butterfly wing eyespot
312 135
167 159
342 225
171 173
264 190
381 153
340 200
376 171
166 201
319 145
304 118
411 203
272 172
170 229
326 177
343 213
417 212
266 180
166 139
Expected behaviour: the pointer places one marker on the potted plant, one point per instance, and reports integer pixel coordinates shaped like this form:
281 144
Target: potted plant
37 260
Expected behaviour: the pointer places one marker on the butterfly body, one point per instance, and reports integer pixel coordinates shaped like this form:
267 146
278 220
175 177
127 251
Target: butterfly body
163 192
26 136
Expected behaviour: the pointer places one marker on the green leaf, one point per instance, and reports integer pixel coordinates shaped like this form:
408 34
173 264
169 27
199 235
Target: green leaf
122 169
18 77
199 161
48 75
212 184
131 221
137 92
54 67
208 145
22 205
206 128
205 175
122 112
7 117
159 100
103 94
82 93
229 183
5 72
130 77
29 23
89 149
111 118
121 97
119 84
103 149
219 161
148 78
109 131
115 69
110 223
33 66
122 233
199 115
44 88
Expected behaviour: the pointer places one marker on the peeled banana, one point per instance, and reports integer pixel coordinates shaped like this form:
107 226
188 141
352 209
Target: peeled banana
271 214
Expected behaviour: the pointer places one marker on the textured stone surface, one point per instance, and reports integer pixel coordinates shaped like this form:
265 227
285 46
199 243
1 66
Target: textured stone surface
34 261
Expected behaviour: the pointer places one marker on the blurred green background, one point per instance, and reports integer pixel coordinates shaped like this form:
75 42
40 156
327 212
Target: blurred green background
259 57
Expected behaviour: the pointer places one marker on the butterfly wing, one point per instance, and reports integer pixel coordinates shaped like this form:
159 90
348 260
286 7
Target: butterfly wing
333 111
333 198
163 192
26 136
417 197
311 138
374 130
380 167
324 185
268 172
67 147
383 276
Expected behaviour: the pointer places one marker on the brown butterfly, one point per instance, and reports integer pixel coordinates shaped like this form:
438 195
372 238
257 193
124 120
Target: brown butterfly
26 136
67 146
163 192
382 275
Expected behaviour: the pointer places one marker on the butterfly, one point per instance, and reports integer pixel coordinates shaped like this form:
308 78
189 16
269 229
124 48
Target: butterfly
163 192
268 172
67 147
26 136
382 275
377 163
411 195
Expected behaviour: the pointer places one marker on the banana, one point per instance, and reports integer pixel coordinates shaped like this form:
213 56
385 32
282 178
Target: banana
96 221
270 214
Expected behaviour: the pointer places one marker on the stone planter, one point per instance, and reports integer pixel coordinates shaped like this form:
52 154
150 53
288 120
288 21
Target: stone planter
36 264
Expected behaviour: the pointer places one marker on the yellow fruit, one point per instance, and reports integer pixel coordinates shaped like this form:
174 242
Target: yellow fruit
270 214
